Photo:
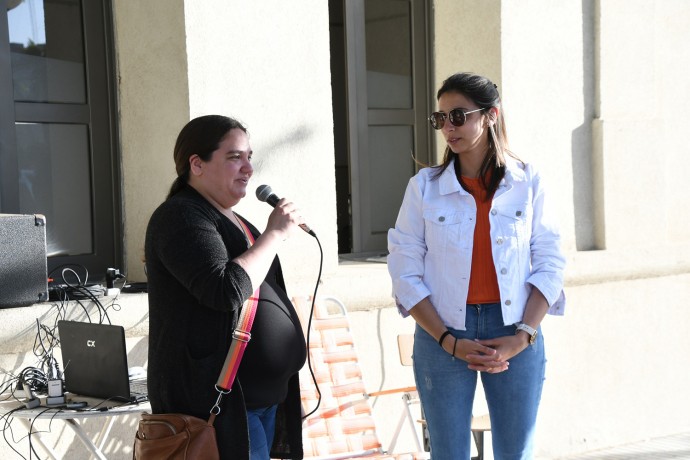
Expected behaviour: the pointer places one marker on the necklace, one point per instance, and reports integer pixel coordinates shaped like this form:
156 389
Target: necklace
242 228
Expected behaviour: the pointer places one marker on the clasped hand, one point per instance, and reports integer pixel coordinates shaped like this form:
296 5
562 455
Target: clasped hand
490 355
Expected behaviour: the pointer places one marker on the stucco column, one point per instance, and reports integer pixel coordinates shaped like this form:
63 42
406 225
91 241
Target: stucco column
465 37
628 151
153 90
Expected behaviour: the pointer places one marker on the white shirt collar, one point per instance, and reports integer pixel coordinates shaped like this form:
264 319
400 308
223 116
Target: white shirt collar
515 172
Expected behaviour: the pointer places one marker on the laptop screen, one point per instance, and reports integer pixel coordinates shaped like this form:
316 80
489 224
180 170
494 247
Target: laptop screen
94 359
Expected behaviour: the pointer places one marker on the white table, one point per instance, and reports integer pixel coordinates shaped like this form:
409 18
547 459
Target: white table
75 418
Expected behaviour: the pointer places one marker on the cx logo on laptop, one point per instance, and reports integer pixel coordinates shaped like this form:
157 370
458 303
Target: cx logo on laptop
91 343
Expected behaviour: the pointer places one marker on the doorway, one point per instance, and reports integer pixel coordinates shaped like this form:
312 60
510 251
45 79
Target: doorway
380 80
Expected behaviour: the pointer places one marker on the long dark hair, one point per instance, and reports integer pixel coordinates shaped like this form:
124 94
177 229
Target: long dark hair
485 94
201 136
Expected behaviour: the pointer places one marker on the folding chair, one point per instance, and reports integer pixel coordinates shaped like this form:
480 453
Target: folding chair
480 424
343 426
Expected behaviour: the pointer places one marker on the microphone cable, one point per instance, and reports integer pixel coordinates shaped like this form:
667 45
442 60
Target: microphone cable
265 193
311 315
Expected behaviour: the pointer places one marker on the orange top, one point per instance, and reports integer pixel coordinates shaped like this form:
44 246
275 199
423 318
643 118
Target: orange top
483 281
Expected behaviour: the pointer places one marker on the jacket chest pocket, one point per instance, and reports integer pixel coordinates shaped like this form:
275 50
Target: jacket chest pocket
444 230
515 221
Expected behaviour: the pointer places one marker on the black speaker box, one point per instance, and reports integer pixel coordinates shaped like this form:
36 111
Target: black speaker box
23 262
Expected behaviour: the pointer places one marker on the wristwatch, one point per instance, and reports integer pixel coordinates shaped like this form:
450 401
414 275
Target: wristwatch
532 332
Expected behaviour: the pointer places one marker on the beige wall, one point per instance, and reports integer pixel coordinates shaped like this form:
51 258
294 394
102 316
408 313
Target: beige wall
599 107
266 63
466 38
594 94
153 98
254 61
179 60
642 110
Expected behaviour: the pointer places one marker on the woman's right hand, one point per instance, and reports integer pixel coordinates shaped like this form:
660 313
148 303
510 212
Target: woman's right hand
282 223
284 220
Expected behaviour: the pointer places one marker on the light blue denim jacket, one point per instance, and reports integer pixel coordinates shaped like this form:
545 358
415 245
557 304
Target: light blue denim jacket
431 245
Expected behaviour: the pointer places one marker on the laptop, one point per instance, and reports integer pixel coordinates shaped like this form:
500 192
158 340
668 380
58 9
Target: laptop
94 362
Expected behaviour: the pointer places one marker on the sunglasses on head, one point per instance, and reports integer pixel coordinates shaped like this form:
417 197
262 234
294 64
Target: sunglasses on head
457 117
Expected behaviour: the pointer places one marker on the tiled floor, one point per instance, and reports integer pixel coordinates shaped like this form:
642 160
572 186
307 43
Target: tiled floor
675 447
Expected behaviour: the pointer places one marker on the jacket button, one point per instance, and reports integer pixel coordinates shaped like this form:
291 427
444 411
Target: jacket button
441 219
499 240
503 271
508 302
519 213
493 212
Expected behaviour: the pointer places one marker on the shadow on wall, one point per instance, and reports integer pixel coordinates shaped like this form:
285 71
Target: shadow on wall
294 137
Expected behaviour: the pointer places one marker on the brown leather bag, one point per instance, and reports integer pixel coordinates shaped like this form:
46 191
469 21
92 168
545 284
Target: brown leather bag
175 437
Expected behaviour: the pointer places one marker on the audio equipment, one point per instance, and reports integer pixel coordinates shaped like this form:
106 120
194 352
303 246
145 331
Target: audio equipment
23 261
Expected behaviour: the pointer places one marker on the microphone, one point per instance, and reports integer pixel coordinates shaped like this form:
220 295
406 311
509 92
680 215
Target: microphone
265 193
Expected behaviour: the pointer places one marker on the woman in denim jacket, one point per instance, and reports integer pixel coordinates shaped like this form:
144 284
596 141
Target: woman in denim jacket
475 259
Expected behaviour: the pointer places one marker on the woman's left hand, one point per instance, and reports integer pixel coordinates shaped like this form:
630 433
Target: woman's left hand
506 347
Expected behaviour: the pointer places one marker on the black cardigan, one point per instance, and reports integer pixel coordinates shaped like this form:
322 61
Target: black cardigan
195 293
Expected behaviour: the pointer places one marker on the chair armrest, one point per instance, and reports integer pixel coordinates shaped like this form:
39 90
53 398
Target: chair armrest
392 391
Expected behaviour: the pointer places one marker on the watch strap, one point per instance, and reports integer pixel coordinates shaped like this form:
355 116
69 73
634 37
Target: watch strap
532 332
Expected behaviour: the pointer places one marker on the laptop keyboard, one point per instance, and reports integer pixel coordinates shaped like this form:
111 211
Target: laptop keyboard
138 388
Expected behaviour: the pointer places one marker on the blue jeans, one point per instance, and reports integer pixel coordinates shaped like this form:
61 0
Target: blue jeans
261 423
446 388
